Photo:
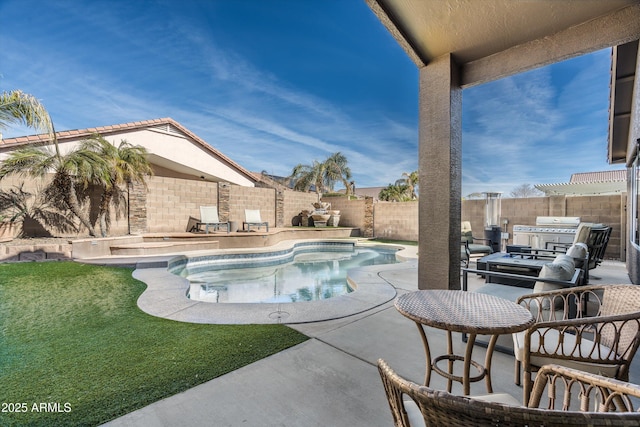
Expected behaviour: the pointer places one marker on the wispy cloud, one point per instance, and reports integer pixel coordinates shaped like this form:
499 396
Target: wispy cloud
538 127
245 112
95 66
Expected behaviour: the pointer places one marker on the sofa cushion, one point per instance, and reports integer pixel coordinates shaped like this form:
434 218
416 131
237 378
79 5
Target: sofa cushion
413 412
503 398
562 268
416 419
475 248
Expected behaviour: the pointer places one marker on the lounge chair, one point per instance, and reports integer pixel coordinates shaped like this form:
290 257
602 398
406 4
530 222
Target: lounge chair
209 218
252 218
464 254
473 248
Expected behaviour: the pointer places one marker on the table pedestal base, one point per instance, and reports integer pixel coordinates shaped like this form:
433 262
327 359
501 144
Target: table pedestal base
466 379
450 376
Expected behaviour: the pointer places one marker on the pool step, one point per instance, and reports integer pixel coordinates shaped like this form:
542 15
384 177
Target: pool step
155 248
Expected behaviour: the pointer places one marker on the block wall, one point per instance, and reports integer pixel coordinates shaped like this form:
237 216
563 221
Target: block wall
294 203
396 220
352 212
241 198
171 201
119 220
608 210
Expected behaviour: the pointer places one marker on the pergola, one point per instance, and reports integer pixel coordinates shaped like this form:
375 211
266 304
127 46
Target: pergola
461 43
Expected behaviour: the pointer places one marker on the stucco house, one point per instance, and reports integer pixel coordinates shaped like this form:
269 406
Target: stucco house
174 151
188 173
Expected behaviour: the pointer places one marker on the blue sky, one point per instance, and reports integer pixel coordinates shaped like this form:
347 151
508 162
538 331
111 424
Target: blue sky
275 83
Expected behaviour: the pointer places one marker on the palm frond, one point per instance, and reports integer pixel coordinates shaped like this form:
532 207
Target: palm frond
28 161
17 107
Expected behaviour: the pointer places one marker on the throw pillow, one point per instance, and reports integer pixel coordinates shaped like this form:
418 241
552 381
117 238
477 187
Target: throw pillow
578 251
582 233
562 268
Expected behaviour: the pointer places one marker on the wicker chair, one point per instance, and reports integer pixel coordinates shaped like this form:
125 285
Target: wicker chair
602 338
413 404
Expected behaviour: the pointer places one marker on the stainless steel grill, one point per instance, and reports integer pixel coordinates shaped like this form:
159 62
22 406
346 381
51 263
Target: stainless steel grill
548 229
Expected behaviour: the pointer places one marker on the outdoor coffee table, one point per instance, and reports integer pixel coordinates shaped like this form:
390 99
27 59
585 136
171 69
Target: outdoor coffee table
528 265
466 312
515 262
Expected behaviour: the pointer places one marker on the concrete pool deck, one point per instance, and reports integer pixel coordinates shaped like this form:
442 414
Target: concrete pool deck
166 293
165 297
331 379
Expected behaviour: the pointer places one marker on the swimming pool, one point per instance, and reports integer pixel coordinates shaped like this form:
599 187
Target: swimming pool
308 271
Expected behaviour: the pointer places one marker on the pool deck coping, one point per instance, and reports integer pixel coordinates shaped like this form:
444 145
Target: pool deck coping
166 293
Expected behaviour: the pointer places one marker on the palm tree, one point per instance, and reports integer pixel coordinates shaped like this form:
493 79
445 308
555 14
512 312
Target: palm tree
17 107
337 170
306 176
322 175
395 193
127 164
410 179
79 167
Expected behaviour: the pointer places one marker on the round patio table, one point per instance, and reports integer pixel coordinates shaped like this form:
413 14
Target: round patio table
466 312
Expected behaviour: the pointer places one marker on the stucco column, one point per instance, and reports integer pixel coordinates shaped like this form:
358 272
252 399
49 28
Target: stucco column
137 211
279 208
368 217
224 204
440 164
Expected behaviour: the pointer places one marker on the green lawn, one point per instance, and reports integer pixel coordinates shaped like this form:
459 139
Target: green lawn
76 350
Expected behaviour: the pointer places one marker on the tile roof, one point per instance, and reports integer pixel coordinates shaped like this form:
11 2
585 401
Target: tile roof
585 183
605 176
119 128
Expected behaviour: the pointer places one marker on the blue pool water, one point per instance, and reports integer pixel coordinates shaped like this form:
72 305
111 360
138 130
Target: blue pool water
308 272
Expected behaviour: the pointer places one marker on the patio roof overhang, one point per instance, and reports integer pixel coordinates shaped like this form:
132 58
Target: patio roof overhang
479 34
498 38
463 43
624 95
583 188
